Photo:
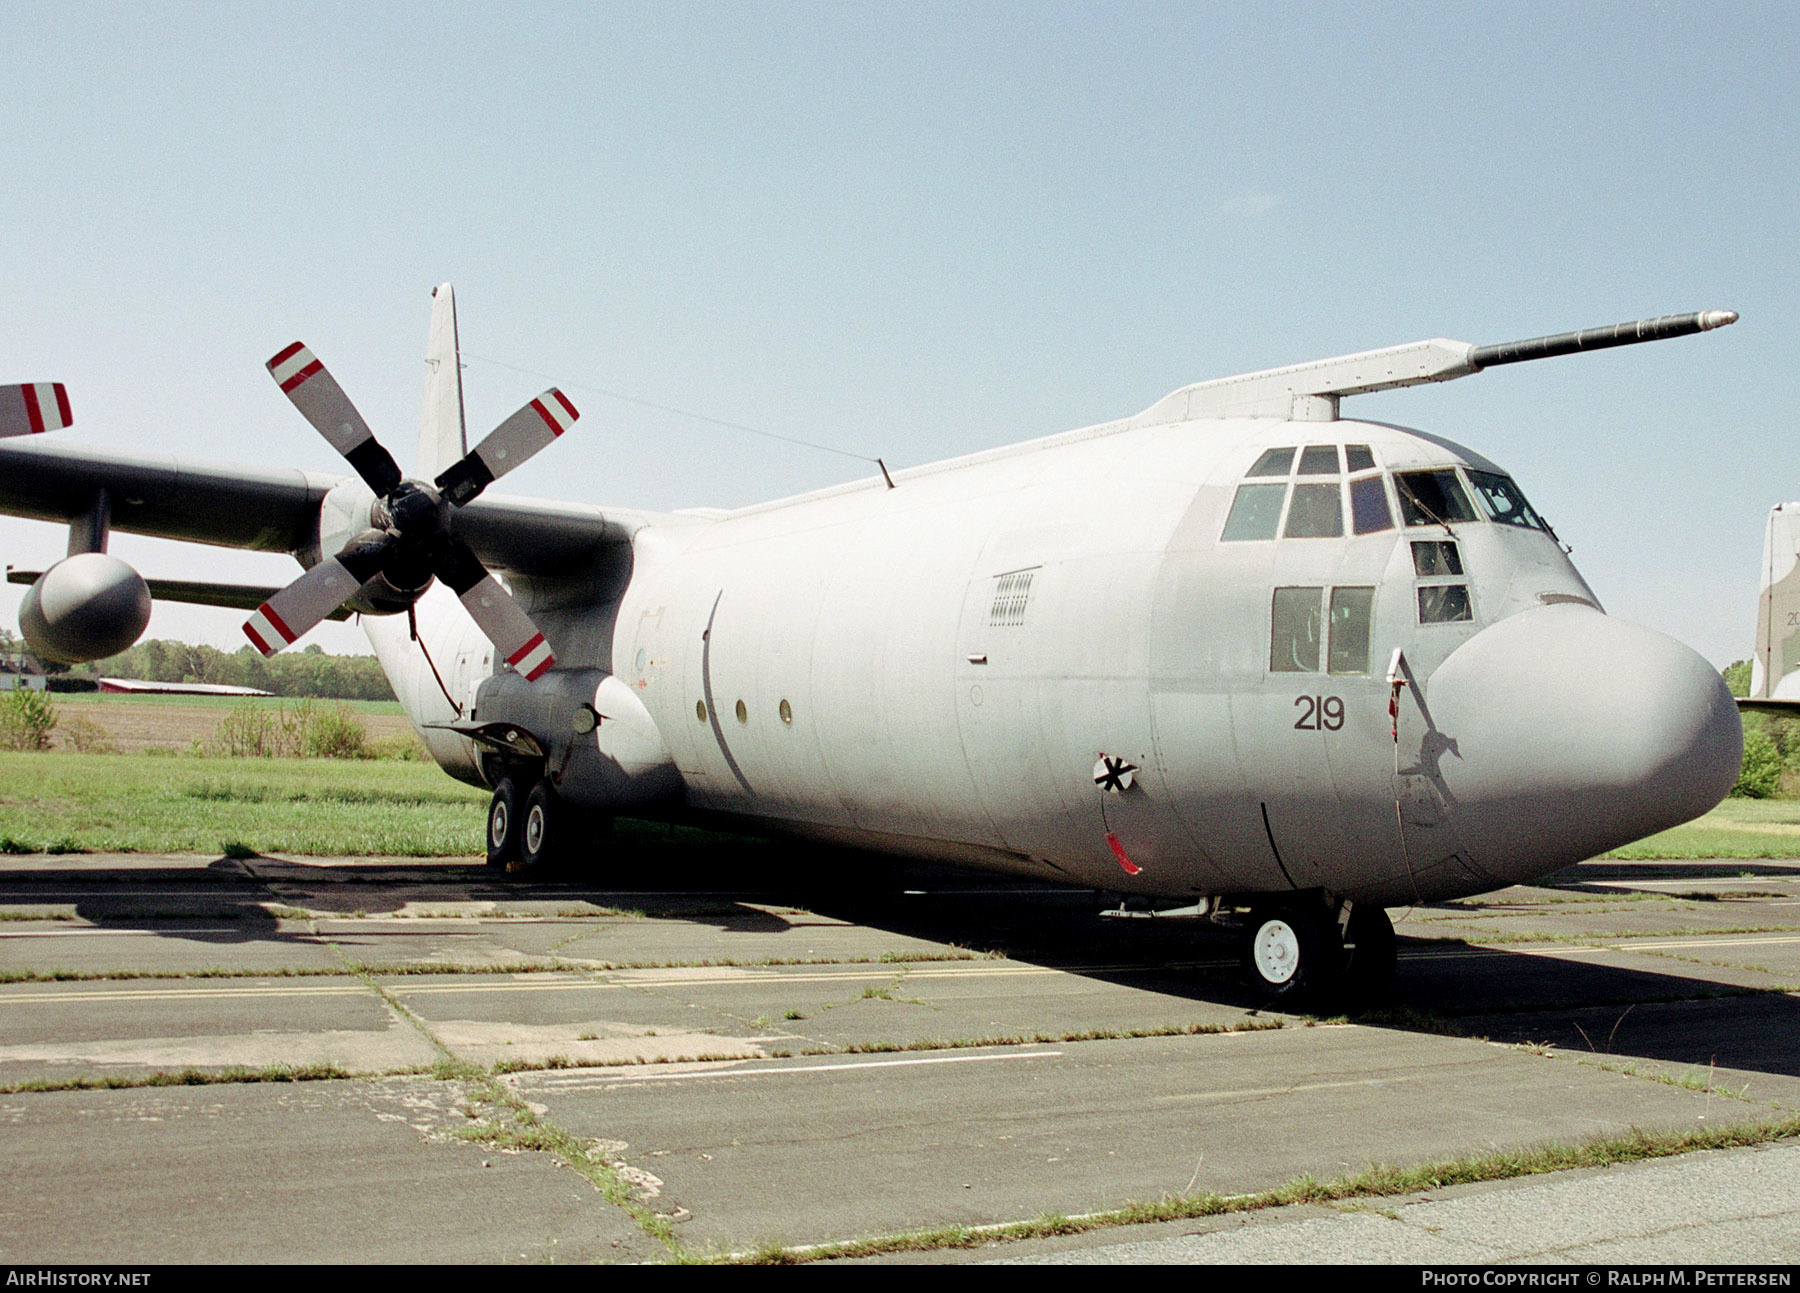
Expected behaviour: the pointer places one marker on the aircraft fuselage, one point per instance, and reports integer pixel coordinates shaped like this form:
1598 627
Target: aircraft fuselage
941 668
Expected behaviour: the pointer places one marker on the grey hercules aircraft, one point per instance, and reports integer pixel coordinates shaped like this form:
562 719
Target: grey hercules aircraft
1236 655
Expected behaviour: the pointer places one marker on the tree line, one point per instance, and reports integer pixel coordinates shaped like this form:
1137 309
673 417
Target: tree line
310 671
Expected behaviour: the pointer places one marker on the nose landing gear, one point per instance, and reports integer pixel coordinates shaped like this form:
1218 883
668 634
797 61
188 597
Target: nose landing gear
1296 956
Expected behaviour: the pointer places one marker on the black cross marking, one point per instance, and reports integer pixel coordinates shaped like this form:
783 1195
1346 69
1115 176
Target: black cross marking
1113 778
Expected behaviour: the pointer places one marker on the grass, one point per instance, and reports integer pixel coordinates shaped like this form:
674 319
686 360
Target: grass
1376 1181
141 803
196 1077
1737 828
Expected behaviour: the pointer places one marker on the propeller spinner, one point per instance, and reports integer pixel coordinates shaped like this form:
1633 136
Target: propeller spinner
416 538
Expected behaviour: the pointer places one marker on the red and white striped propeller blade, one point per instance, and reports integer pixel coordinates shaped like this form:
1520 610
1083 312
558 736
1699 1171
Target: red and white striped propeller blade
493 609
286 616
508 628
33 408
512 442
322 402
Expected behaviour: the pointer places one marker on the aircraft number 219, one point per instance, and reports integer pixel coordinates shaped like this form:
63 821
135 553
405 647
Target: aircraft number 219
1320 713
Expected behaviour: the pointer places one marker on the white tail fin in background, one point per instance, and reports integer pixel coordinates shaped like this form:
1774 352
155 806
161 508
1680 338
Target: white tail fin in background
443 439
1775 672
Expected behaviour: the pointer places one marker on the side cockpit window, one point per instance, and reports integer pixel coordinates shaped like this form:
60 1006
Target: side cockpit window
1295 629
1255 512
1274 462
1303 634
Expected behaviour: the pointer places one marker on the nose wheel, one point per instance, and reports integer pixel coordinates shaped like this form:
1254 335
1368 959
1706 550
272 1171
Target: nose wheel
1285 954
1297 957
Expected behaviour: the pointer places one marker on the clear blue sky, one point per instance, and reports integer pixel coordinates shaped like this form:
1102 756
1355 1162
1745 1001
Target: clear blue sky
918 230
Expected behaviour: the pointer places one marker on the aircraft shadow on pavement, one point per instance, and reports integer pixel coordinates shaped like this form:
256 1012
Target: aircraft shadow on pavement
1618 1014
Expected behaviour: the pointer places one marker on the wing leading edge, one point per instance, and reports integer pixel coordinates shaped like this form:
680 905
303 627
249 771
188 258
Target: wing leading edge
277 510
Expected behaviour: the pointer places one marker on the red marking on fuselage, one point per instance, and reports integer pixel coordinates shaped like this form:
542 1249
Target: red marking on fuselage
1131 868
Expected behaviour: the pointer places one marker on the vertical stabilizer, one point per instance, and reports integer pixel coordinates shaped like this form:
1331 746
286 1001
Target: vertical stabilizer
443 439
1775 672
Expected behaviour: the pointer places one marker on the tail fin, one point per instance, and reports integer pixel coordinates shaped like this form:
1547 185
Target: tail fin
1775 672
443 439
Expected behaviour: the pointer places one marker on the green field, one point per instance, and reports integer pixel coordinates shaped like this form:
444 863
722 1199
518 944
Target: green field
1737 828
146 803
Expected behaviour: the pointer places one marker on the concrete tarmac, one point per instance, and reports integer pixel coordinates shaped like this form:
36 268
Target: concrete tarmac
554 1071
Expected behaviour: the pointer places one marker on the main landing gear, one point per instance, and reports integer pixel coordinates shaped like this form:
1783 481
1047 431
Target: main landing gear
1299 954
531 831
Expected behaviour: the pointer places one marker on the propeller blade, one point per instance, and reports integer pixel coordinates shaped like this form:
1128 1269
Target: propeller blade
507 445
286 616
322 402
33 408
493 609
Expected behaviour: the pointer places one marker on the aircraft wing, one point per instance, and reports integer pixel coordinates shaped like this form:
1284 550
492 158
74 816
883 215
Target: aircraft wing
167 497
277 510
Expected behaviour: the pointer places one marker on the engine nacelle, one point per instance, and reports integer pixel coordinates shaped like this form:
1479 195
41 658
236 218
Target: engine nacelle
349 518
86 607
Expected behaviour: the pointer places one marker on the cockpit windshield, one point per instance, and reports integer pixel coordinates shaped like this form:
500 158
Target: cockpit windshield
1432 498
1503 501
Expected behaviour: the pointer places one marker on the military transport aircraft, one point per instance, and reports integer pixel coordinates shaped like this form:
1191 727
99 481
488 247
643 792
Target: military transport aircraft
1236 654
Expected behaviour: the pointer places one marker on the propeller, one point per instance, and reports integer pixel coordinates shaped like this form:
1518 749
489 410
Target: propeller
33 408
415 539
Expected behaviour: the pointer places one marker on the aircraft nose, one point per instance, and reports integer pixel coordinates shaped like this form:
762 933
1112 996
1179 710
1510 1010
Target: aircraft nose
1565 732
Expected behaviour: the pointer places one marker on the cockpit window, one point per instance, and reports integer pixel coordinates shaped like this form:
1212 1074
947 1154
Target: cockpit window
1317 512
1274 462
1358 458
1369 505
1436 558
1444 604
1294 630
1432 498
1351 610
1319 460
1255 512
1503 501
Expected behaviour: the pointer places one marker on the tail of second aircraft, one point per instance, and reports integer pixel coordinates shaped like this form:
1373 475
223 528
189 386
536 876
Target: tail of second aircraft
1775 671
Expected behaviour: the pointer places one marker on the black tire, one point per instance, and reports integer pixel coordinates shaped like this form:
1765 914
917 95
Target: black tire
1287 955
503 823
1369 954
542 824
